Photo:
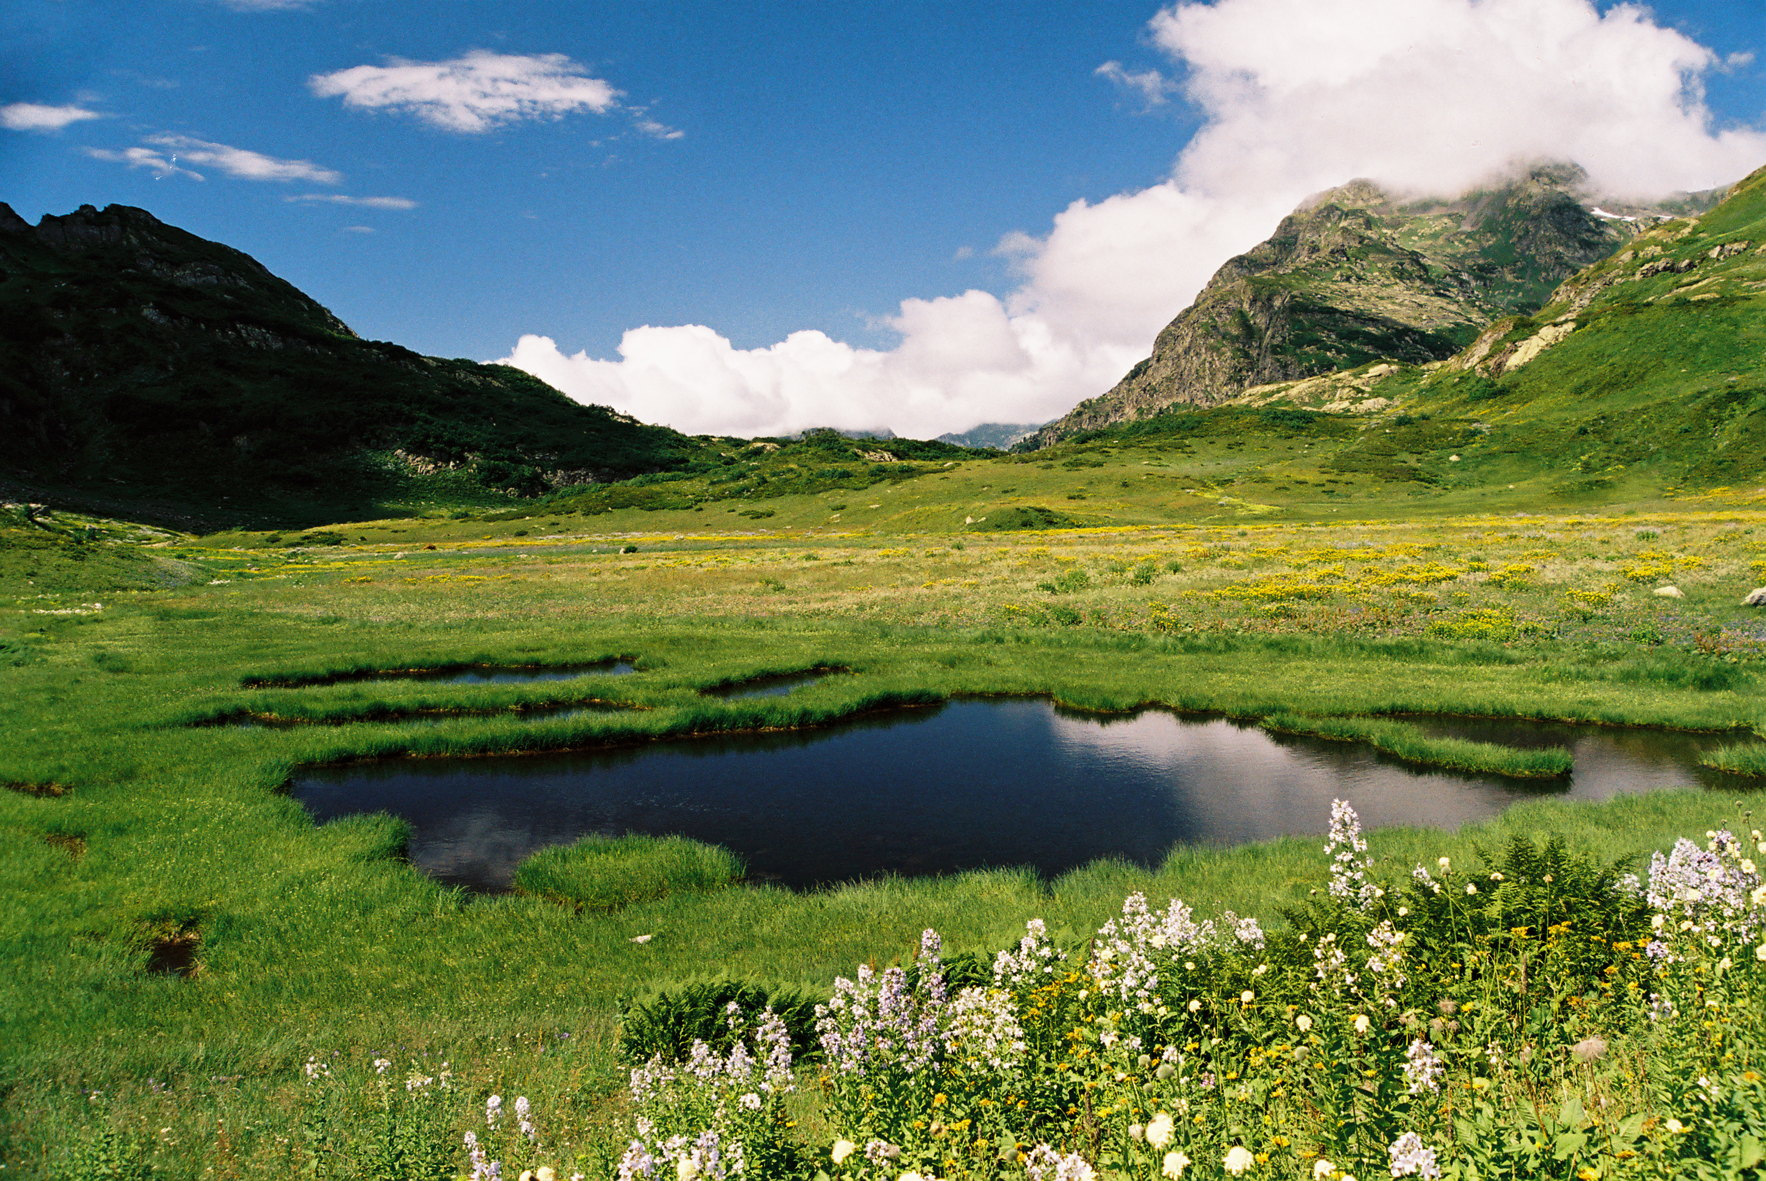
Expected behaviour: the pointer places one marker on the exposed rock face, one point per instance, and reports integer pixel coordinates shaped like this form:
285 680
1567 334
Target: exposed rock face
1756 597
1356 275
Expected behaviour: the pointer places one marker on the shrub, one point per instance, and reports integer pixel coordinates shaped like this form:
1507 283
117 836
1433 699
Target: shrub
665 1021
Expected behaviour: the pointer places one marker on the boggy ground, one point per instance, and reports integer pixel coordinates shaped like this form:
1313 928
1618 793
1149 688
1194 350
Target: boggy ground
180 940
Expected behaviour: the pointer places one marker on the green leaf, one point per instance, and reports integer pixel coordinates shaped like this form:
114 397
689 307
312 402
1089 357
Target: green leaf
1571 1115
1752 1152
1569 1144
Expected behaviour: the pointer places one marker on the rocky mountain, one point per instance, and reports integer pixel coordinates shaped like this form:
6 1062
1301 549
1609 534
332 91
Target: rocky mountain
1357 275
137 358
995 436
1643 374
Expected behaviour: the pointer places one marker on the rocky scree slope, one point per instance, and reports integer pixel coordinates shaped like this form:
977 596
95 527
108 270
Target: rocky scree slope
137 359
1357 275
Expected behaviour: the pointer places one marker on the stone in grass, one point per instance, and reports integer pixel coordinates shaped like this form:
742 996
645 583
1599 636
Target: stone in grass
1756 597
1670 592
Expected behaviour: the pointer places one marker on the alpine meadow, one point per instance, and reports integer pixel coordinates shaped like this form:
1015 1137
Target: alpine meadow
1449 491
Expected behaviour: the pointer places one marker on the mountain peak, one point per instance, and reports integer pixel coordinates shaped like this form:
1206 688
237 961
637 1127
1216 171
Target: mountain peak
1359 274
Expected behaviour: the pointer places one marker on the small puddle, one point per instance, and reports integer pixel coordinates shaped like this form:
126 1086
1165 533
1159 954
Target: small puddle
972 783
421 717
773 686
474 674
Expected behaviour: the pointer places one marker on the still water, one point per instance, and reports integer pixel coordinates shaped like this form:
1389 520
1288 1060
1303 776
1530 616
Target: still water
968 784
475 674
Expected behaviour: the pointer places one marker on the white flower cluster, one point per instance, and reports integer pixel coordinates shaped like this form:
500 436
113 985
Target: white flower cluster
1348 866
1714 893
1128 950
1044 1163
1410 1158
697 1119
982 1031
1035 961
1423 1067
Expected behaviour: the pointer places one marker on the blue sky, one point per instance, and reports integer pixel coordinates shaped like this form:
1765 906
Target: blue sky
1044 185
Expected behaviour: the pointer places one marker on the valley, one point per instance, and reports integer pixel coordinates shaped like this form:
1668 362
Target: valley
1386 563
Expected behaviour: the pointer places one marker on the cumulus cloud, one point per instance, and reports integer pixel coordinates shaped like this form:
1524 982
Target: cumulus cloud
657 130
474 92
364 202
1428 96
38 117
1437 94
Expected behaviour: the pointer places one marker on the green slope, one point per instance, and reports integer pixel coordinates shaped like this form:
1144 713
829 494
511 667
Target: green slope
1646 368
139 362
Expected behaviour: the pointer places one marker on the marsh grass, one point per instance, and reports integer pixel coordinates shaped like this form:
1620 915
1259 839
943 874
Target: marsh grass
607 873
1739 759
320 939
1404 741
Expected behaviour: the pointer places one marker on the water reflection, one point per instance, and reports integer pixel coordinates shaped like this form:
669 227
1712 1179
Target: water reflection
968 784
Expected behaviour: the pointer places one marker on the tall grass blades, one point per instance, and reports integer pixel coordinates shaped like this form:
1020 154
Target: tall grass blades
1404 741
602 873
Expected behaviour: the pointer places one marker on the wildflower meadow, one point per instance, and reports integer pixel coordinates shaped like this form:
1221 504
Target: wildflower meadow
1537 1014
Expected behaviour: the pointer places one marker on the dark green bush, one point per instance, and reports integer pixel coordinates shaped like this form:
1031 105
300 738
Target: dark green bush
669 1019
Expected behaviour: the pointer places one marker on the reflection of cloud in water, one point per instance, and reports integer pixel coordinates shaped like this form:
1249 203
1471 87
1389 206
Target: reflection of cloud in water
1233 783
1607 765
472 845
972 783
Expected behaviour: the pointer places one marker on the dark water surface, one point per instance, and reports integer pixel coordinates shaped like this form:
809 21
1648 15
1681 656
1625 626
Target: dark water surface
477 674
968 784
774 686
489 675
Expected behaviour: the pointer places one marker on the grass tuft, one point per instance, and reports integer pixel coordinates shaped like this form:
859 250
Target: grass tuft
1747 758
603 874
1404 741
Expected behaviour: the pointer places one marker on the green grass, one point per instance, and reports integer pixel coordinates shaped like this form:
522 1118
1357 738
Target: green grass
607 873
1741 759
1405 741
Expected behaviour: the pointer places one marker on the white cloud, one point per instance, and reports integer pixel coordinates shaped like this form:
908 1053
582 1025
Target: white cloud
38 117
1297 96
243 163
147 158
474 92
266 5
1152 86
1438 94
364 202
657 130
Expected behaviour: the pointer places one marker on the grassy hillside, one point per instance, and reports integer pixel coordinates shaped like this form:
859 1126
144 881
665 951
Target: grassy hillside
144 368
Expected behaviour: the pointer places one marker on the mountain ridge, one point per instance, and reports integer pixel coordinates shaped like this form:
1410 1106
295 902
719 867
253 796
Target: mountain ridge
135 352
1357 275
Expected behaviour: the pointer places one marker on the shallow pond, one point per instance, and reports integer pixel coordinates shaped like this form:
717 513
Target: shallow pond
968 784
